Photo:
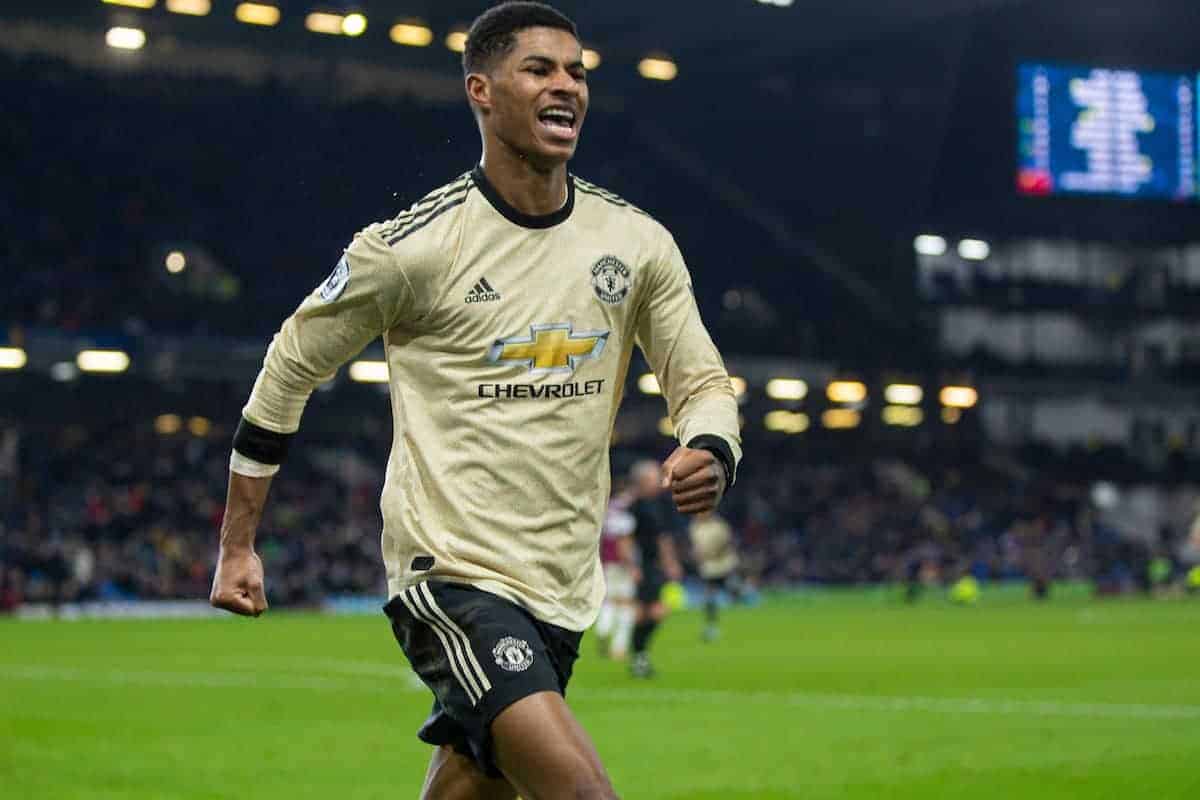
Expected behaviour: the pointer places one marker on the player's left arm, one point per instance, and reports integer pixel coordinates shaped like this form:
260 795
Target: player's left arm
700 397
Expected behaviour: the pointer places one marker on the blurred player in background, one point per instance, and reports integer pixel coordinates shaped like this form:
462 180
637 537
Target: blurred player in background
509 302
1189 556
614 626
717 562
658 561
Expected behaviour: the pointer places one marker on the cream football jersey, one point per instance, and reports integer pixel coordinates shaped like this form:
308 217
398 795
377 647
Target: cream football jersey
507 338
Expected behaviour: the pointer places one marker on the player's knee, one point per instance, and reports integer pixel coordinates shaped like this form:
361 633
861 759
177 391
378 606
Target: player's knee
588 782
595 787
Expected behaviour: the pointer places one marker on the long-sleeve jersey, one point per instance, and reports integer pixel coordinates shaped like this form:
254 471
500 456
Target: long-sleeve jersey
507 339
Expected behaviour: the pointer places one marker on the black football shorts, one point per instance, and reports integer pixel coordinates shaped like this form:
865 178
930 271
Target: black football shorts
478 654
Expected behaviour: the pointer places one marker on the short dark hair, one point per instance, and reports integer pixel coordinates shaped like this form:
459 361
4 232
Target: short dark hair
494 32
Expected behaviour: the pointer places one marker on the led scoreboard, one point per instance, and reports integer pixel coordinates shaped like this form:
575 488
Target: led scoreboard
1085 130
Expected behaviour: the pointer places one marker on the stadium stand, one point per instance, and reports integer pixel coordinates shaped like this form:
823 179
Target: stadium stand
128 512
269 196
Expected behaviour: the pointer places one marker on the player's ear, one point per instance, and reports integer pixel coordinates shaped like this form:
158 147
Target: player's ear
479 91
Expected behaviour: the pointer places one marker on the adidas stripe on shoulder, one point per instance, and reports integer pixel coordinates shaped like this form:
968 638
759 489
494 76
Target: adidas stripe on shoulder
427 209
592 189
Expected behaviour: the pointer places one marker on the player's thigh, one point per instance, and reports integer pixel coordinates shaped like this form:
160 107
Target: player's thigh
545 753
453 776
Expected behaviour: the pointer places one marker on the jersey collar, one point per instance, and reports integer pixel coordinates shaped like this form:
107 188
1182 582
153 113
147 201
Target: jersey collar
518 217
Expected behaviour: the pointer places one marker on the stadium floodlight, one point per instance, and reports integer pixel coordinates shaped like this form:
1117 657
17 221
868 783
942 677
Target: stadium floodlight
787 389
369 372
903 416
354 25
131 3
167 424
322 22
648 384
974 249
666 427
903 394
591 58
951 416
658 68
777 3
841 419
959 396
784 421
411 34
199 426
456 41
257 14
846 392
176 262
125 38
929 245
194 8
739 386
110 361
12 358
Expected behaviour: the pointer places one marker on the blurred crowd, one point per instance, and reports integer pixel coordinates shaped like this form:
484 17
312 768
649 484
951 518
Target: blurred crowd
928 521
124 513
128 514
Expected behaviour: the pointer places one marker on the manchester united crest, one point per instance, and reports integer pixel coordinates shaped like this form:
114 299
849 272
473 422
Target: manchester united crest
513 654
611 280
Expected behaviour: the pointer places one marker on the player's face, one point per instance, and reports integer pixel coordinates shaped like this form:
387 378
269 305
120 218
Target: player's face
539 96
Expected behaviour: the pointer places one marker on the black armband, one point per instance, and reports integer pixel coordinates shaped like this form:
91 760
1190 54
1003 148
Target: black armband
719 448
260 444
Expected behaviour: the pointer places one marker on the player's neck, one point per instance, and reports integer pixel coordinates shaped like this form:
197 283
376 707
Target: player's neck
526 188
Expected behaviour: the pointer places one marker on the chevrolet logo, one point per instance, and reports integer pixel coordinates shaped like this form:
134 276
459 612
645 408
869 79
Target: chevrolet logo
549 348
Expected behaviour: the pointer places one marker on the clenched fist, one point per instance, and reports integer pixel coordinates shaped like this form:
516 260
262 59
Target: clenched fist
696 479
238 583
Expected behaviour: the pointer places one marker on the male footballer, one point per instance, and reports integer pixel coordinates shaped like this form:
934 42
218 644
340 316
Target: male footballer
509 302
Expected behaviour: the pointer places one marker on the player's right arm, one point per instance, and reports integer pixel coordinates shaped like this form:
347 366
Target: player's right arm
238 582
367 294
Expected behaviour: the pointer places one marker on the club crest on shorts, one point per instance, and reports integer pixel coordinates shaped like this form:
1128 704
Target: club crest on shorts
611 280
512 654
336 283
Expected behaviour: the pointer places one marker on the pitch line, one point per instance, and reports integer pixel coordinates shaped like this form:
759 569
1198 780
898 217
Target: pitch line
901 704
380 678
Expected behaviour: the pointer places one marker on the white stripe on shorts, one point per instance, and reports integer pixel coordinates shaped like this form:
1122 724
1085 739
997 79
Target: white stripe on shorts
453 627
453 652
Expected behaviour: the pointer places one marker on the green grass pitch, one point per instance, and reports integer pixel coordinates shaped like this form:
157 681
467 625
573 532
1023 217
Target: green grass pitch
822 695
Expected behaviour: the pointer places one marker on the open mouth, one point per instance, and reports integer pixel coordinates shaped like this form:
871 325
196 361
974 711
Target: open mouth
558 121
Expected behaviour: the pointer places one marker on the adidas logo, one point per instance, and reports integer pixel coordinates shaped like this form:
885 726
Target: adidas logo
482 292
